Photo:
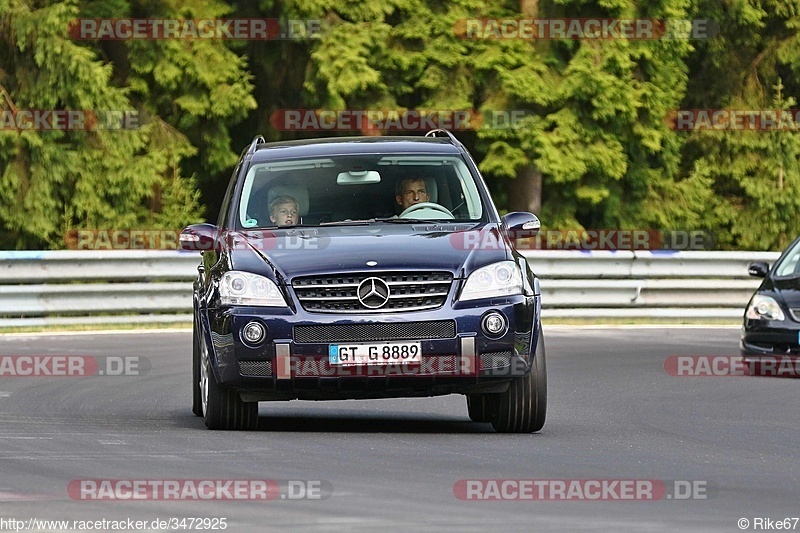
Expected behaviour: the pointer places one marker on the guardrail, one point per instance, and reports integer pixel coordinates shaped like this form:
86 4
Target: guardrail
628 284
132 286
96 287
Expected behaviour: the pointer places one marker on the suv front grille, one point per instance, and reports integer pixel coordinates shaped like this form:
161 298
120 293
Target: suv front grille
408 291
795 314
409 331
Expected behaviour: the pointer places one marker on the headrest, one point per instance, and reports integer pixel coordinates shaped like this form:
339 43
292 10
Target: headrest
433 190
298 193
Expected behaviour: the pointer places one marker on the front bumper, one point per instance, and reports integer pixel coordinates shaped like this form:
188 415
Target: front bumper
293 362
769 337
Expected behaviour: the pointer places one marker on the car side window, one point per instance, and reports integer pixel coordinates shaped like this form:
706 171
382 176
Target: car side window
791 264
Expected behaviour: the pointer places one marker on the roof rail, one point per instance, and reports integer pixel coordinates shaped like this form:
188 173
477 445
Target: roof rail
440 132
259 139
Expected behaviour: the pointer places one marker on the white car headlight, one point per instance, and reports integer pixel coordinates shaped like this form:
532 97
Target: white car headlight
764 308
498 279
244 288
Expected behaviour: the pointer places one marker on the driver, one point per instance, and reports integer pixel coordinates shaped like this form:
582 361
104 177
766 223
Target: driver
410 191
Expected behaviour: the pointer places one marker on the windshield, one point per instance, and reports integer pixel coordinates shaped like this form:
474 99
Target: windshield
345 189
790 266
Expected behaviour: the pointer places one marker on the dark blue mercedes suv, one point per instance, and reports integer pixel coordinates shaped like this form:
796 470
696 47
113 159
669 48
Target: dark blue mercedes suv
368 267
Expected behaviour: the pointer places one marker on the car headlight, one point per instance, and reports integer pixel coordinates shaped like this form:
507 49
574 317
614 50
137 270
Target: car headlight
244 288
764 308
498 279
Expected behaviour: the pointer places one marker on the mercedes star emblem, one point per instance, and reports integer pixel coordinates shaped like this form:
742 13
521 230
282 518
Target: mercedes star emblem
373 293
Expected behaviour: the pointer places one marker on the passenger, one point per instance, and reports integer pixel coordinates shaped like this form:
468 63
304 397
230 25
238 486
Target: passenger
283 210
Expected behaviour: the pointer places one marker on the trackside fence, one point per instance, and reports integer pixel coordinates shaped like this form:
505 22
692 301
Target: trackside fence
144 286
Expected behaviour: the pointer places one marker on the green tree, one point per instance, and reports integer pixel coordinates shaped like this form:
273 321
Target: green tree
595 138
751 178
187 93
594 145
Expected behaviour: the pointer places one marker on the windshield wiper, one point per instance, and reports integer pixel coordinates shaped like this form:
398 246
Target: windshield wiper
427 221
397 220
288 226
346 223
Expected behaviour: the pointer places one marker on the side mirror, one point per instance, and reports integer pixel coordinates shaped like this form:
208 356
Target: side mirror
521 225
758 269
198 237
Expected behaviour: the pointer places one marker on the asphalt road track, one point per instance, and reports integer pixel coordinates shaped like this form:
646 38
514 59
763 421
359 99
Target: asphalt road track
614 413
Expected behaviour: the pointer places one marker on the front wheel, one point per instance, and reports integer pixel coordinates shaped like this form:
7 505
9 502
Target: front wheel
478 408
523 407
197 398
222 407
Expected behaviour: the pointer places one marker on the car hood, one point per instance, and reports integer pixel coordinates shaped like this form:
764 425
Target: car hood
789 289
288 253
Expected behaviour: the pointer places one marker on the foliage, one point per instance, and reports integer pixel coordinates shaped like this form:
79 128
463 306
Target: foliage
595 123
182 95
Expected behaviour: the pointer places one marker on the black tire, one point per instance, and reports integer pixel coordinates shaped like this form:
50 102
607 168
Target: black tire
224 409
523 407
478 408
197 400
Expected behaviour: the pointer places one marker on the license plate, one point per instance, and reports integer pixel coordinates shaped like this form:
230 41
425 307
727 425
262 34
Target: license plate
383 353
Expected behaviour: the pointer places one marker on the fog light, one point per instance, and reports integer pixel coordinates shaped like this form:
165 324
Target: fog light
494 324
253 333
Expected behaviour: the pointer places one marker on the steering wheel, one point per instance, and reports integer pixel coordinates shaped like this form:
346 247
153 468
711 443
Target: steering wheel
438 209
